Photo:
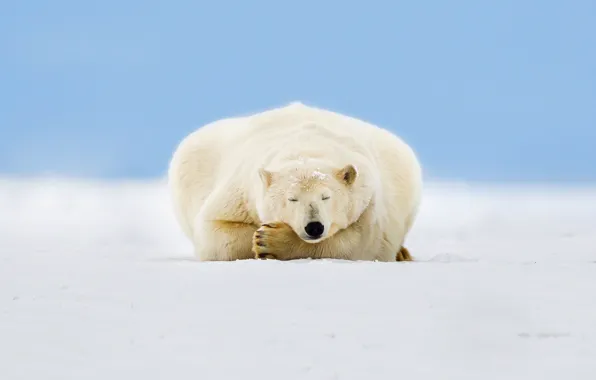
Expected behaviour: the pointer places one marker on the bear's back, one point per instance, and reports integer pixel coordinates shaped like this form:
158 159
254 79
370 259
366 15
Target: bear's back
298 126
297 116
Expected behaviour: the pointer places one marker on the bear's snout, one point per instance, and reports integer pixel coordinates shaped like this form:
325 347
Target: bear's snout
314 230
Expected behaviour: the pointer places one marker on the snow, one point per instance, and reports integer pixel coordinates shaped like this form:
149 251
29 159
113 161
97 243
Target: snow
97 282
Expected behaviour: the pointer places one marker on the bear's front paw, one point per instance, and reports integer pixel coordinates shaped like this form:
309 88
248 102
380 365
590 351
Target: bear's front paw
272 241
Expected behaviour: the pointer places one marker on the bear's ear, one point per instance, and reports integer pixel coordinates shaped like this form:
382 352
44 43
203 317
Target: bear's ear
266 177
347 174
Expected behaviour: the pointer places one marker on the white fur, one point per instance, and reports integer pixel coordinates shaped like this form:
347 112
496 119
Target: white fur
218 180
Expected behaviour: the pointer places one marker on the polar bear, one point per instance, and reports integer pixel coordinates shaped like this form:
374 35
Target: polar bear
292 182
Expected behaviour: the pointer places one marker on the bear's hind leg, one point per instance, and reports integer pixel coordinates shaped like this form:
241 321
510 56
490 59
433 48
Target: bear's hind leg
403 255
224 241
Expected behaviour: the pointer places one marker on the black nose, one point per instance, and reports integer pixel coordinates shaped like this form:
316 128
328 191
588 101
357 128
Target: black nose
314 229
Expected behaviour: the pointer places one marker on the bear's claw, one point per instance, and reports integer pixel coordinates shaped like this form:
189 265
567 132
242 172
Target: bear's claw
265 256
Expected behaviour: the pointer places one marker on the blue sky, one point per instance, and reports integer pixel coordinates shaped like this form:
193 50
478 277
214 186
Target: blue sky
499 91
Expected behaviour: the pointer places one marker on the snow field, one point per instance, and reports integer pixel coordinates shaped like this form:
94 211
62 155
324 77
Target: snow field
97 281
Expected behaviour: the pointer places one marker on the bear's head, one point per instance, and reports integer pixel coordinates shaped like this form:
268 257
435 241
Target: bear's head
316 202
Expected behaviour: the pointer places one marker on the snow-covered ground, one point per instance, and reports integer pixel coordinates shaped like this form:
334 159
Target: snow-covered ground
97 282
